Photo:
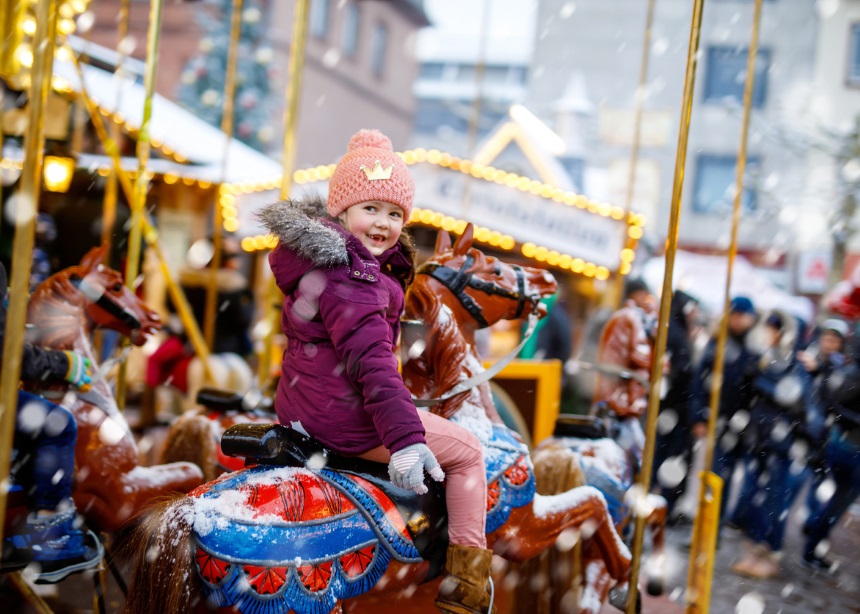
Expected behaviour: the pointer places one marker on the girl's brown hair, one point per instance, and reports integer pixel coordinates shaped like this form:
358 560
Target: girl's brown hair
407 246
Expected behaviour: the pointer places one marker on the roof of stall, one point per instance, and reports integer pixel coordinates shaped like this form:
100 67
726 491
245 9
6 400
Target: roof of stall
196 147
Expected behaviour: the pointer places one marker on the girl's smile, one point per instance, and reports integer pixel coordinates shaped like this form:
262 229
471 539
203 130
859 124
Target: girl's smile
375 223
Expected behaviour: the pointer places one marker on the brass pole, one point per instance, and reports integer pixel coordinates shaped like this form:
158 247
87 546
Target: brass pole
288 160
25 232
210 314
149 234
705 534
665 300
11 14
110 198
475 120
132 263
639 104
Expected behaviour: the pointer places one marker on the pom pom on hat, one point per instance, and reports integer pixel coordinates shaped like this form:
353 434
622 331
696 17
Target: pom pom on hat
354 181
369 138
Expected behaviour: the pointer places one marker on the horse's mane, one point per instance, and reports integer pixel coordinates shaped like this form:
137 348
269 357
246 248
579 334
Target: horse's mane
437 370
57 310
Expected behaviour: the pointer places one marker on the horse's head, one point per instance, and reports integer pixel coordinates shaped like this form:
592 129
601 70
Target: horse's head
109 303
483 287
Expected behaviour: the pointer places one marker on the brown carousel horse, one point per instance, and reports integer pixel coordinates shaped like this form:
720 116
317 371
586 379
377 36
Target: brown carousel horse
302 529
110 485
608 445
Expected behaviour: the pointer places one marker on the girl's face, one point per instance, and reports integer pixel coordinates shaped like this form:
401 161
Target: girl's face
377 224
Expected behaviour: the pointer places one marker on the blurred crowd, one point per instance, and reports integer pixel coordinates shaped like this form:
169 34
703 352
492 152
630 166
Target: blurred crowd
788 416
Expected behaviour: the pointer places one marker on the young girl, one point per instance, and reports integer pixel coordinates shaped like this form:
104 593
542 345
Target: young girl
343 278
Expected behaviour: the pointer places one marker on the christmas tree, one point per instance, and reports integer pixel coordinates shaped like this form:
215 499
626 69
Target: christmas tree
201 89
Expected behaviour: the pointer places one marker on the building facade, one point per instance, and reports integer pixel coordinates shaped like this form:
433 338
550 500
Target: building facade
590 52
359 68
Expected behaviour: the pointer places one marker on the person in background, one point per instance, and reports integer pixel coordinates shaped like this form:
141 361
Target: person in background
739 366
553 339
780 416
673 450
234 313
821 359
839 396
626 345
43 460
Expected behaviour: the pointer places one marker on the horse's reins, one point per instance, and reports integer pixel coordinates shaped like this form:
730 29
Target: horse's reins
457 281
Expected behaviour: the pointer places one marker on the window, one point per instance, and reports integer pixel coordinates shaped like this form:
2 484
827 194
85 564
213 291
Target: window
318 18
575 168
380 42
350 30
854 56
431 115
726 75
715 184
432 70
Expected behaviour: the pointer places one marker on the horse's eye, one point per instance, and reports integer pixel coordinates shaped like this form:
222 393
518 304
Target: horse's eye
117 287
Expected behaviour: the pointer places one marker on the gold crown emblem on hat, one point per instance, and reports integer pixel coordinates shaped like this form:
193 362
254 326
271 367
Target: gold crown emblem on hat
377 173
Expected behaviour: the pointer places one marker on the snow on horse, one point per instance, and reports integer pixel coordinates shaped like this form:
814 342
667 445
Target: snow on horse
110 485
301 529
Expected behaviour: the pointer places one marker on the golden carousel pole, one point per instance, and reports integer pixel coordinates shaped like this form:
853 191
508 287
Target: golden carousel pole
227 128
149 233
142 181
25 231
706 524
288 161
639 102
665 301
110 197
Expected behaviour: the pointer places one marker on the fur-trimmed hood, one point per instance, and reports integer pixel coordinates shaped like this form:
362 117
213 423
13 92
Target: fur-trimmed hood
299 226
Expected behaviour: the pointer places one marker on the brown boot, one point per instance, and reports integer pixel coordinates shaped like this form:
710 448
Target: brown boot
758 563
467 584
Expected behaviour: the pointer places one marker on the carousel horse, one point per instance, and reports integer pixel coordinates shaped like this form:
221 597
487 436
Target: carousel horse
196 435
110 485
609 452
608 445
302 529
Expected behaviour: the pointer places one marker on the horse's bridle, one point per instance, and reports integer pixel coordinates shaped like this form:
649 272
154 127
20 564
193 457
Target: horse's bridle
95 295
458 280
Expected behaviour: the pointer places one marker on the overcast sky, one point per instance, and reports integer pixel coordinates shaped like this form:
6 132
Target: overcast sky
455 33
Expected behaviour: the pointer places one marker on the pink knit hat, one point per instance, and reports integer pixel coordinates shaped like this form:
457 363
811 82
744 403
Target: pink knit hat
370 170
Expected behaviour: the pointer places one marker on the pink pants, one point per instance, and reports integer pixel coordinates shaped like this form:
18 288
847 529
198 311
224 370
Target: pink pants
462 459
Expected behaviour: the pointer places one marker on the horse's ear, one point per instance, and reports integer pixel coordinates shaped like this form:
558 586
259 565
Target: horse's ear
94 257
443 241
464 243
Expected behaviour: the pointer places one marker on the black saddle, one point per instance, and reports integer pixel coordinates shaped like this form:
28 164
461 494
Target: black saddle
426 516
224 401
580 426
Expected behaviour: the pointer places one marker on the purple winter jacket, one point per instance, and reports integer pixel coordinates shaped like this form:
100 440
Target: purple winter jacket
341 315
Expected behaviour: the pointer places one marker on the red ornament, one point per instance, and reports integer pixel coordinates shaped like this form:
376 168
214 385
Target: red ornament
493 494
518 473
266 580
211 569
315 577
356 563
